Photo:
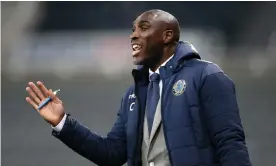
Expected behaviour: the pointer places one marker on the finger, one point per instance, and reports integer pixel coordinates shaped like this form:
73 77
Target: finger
33 104
33 95
37 91
54 97
43 88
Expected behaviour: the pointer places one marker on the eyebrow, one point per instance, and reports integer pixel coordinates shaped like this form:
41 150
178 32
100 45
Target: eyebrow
142 22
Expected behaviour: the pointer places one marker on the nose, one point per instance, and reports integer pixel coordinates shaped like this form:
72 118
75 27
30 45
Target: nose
134 35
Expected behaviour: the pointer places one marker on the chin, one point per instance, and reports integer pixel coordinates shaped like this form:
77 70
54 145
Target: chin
138 61
135 62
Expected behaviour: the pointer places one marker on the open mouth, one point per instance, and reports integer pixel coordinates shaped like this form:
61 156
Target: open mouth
136 49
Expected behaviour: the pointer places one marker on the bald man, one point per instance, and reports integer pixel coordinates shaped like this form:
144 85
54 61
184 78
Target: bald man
180 111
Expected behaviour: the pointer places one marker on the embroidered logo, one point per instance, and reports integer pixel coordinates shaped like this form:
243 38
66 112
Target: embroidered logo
131 107
179 87
132 96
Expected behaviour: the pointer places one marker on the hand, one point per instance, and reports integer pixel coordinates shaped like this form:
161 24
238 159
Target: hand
53 112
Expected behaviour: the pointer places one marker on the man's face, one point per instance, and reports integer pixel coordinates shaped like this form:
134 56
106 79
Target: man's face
146 39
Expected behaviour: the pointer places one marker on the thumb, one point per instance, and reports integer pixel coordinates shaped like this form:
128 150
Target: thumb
54 98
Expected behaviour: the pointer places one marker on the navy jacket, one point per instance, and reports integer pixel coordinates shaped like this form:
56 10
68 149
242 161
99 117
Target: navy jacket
200 116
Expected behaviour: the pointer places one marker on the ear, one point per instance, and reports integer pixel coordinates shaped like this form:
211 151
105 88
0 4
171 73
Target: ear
167 36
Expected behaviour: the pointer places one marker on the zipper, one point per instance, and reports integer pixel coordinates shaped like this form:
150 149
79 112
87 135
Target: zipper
164 125
138 125
137 147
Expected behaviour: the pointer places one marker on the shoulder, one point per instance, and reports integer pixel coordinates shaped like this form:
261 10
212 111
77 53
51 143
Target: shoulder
210 68
200 70
214 74
127 97
128 93
204 68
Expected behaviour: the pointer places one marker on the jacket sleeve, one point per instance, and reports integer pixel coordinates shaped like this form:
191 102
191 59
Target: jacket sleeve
222 117
109 150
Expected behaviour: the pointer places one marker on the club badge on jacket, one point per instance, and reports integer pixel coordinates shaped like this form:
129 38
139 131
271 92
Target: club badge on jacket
179 87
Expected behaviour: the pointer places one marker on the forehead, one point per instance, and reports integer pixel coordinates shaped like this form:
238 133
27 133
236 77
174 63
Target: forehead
151 18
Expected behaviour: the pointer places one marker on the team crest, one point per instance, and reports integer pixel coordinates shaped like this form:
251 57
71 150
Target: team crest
179 87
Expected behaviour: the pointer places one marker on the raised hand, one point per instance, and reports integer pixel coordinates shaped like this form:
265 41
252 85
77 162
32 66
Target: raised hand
53 112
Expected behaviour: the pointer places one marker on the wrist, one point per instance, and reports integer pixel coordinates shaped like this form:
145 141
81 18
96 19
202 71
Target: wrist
58 120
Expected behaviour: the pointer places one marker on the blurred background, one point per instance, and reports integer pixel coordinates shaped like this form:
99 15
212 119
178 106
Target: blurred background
83 48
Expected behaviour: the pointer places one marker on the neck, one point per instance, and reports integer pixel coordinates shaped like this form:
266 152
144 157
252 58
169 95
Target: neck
167 53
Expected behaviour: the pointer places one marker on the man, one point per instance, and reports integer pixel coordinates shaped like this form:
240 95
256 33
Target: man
181 111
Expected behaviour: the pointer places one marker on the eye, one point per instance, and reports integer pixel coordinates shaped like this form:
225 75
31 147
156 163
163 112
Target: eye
133 29
143 28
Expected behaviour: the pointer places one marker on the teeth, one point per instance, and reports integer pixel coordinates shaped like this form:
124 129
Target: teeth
136 47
